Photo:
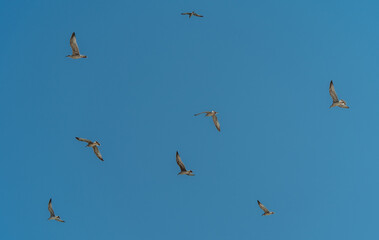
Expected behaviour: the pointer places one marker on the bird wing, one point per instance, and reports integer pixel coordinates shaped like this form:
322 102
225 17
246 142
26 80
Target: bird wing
74 45
59 220
187 13
197 15
263 207
332 92
217 124
179 162
201 113
83 140
97 152
50 207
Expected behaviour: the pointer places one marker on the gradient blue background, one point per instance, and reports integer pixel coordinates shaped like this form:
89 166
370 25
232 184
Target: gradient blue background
264 65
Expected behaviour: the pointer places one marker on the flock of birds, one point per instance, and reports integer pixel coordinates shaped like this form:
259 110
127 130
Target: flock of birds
183 170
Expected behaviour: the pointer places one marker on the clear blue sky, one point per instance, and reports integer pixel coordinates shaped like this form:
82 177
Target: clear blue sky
264 65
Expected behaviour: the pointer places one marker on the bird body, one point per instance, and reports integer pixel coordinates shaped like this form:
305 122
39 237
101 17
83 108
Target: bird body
75 48
266 214
189 173
336 102
214 117
92 145
76 56
57 218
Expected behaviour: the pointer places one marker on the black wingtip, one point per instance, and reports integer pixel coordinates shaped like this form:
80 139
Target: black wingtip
258 202
50 200
77 138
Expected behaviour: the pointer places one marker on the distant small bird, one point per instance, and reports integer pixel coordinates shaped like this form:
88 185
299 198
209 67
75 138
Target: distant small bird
190 14
336 103
52 215
267 212
214 117
183 170
92 145
75 48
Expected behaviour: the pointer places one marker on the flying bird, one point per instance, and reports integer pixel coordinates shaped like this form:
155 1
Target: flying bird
214 117
92 145
75 48
190 14
52 215
183 170
336 103
267 212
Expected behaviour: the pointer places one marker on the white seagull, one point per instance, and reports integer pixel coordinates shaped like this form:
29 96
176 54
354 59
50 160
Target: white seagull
52 215
336 103
190 14
92 145
183 170
214 117
75 48
265 210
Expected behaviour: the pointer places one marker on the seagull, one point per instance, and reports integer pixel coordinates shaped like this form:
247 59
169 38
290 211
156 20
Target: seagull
339 103
75 48
190 14
52 215
92 145
267 212
183 170
214 117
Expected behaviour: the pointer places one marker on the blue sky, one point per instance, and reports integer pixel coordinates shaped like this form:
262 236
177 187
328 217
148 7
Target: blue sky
264 65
